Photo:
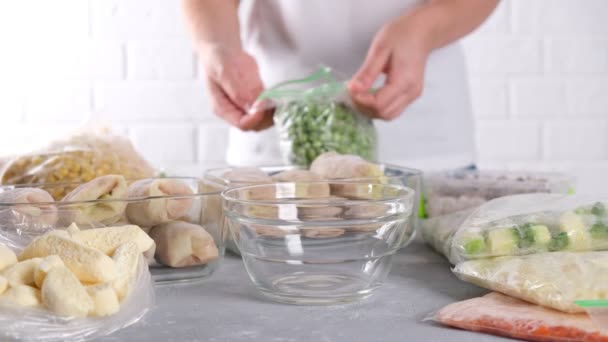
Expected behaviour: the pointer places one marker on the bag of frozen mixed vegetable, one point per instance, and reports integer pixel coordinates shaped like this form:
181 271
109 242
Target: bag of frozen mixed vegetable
527 224
451 196
314 115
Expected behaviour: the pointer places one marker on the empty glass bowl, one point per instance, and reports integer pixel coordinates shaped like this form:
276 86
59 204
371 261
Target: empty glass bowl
301 245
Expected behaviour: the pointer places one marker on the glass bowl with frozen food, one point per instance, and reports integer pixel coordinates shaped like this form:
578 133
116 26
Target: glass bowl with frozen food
188 241
328 166
319 242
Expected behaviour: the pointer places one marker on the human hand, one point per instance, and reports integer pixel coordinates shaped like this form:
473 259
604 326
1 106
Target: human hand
234 83
399 50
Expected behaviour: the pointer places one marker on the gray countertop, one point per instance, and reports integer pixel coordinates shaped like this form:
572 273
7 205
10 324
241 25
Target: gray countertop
226 307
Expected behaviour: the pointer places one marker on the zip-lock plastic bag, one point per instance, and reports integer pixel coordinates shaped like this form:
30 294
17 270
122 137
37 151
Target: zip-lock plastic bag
38 322
527 224
450 197
554 280
314 115
453 191
78 158
498 314
598 311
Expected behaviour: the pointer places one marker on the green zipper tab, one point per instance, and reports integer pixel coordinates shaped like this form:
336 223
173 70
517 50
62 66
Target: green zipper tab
597 303
329 87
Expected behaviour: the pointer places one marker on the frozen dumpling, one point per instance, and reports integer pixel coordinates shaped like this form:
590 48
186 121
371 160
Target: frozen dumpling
302 189
335 166
152 212
250 176
182 244
332 165
106 190
322 232
277 232
36 204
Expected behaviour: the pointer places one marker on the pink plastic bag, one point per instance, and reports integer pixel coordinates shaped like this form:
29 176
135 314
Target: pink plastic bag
498 314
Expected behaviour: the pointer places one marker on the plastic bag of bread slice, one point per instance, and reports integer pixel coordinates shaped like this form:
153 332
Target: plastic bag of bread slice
46 294
498 314
78 158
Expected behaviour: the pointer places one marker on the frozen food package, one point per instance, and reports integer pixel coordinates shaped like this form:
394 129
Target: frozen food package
554 280
78 158
529 223
438 232
501 315
450 196
314 115
598 311
452 191
46 298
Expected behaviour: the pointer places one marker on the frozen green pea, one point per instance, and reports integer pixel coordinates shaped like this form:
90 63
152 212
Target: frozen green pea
318 127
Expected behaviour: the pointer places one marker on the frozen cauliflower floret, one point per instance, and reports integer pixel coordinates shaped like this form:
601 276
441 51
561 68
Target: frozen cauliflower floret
64 295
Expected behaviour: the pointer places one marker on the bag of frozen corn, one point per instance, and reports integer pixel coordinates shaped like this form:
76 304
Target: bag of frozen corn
78 158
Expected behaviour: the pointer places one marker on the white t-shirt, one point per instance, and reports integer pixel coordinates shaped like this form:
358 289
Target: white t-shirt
290 38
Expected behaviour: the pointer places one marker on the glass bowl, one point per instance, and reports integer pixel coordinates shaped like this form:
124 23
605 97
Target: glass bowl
177 242
393 174
323 250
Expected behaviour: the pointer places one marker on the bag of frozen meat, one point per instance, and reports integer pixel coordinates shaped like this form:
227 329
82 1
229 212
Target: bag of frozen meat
498 314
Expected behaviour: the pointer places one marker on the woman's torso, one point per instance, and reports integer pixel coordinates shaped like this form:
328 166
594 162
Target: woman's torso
289 38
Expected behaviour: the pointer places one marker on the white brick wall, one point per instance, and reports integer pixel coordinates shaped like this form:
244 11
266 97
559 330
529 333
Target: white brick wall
539 80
